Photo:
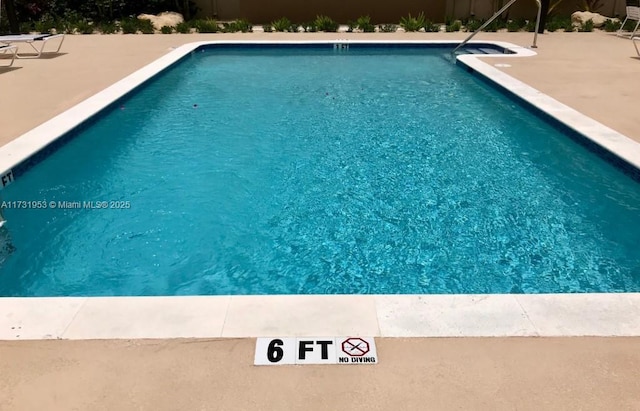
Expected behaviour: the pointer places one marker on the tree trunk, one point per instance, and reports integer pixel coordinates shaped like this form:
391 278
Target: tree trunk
543 16
10 8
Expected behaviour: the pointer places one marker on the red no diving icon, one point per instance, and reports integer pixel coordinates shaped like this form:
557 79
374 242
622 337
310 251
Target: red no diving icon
355 347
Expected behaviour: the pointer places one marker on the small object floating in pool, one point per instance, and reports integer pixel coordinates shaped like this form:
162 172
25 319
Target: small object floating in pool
121 107
195 106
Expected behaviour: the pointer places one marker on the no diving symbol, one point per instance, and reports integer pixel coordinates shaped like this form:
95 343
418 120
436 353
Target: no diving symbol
355 347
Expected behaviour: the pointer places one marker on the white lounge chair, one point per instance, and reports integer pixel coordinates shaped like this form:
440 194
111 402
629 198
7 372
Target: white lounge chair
633 13
29 39
635 41
9 49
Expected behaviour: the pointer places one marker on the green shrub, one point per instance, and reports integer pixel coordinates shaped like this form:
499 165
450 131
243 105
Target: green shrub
206 26
267 28
108 27
26 27
455 26
553 24
166 30
184 28
611 25
238 25
430 27
514 26
309 27
411 23
387 28
326 24
84 27
586 26
282 24
63 26
45 24
629 25
129 25
472 25
98 11
497 24
244 26
146 26
566 24
530 26
364 24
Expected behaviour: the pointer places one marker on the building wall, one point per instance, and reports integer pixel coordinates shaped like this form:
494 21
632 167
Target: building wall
381 11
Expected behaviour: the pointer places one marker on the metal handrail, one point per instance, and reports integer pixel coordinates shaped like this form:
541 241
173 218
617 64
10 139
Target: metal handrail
535 35
495 16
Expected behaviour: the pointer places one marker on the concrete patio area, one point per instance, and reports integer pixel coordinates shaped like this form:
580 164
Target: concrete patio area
597 73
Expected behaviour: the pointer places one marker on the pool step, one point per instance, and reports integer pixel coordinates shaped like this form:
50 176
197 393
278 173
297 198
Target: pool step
479 50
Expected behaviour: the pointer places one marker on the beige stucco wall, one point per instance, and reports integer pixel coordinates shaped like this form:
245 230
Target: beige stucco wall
381 11
524 8
264 11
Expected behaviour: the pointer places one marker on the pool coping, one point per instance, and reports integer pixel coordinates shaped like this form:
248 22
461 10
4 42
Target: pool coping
320 315
438 315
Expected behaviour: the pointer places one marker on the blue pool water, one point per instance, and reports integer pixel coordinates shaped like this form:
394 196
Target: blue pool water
314 171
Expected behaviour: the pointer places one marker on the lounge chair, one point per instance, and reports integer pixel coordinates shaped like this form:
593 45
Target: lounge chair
635 41
29 39
633 13
6 49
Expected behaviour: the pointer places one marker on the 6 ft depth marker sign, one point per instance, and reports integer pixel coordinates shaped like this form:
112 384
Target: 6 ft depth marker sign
315 350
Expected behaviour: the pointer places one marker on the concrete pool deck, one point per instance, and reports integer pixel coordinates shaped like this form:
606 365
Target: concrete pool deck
594 73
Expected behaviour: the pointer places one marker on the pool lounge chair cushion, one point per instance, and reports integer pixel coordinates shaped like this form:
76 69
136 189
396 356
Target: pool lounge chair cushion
11 39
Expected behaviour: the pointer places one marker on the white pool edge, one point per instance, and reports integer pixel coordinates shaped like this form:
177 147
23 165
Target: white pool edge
494 315
448 315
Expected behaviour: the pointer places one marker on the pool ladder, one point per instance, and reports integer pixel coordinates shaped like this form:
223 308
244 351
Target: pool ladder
495 16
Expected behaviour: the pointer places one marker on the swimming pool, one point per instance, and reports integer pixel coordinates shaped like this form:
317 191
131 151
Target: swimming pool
69 262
